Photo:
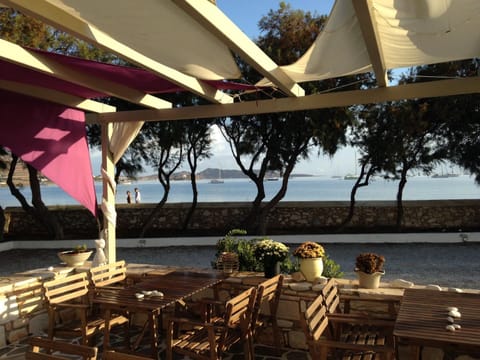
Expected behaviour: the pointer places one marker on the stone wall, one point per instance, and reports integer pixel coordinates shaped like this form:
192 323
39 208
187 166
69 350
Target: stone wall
288 217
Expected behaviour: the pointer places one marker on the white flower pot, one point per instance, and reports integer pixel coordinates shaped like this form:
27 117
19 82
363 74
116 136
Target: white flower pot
369 281
311 268
74 259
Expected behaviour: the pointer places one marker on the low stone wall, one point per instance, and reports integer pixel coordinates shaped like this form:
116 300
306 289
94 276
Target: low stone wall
288 217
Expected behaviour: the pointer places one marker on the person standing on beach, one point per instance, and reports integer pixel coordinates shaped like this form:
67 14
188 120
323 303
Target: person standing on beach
138 197
129 197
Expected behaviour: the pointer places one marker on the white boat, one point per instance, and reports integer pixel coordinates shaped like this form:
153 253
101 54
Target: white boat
218 180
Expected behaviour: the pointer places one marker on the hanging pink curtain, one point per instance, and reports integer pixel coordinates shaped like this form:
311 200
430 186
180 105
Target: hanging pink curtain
52 139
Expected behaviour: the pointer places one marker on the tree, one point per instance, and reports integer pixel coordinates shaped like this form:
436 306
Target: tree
198 144
163 150
278 141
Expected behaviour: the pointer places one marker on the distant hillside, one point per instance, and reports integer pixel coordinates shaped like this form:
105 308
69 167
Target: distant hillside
215 173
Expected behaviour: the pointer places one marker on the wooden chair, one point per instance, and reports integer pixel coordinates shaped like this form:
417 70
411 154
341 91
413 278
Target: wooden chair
69 310
333 301
46 349
209 340
111 276
115 355
268 295
368 339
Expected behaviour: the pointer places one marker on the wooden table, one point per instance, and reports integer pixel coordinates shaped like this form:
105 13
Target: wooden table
175 286
423 315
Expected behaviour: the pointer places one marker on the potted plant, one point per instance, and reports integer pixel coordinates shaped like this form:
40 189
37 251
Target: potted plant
271 253
310 255
369 269
76 256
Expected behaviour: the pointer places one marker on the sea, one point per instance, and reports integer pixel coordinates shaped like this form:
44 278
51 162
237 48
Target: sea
446 264
308 188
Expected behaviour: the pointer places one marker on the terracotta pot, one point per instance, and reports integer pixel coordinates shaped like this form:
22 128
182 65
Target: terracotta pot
311 268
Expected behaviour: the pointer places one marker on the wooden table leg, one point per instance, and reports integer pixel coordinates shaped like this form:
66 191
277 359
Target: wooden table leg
152 319
106 331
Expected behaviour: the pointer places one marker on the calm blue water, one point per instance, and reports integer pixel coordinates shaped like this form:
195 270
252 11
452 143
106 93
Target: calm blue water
299 189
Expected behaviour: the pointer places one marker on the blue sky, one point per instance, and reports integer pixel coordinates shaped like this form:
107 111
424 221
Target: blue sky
246 14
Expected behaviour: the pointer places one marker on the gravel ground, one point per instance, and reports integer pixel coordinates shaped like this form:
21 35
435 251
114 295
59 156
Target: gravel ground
452 265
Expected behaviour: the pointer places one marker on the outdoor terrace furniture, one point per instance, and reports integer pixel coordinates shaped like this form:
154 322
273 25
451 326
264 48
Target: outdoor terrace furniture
46 349
209 340
422 321
266 306
115 355
365 340
140 298
70 312
107 277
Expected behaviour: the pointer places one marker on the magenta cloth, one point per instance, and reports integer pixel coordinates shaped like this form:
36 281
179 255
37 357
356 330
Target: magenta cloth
51 138
139 79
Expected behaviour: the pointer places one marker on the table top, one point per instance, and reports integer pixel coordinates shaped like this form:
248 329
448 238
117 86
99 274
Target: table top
423 316
175 286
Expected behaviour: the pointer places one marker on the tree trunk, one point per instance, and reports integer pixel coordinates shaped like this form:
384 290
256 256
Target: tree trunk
39 211
151 217
191 211
358 184
401 186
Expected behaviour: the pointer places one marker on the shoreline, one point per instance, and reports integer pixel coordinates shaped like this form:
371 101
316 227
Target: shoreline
366 238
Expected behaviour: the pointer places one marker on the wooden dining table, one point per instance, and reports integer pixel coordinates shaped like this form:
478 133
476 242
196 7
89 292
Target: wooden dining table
175 286
422 321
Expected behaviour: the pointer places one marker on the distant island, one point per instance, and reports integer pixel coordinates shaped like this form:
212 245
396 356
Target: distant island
210 174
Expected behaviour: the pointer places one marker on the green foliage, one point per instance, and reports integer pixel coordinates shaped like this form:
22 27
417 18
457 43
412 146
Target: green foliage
331 269
243 247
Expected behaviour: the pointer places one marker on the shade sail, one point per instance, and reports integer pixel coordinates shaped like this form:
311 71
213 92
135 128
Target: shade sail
161 31
408 33
52 139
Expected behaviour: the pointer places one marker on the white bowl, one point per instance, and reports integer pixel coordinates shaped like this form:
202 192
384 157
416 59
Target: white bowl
139 296
73 259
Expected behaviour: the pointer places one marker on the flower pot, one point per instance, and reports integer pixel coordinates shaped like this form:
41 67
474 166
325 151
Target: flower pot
311 268
369 281
271 267
72 258
228 262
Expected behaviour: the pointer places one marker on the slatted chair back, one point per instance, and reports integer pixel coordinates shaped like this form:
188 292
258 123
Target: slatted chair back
268 298
67 289
114 355
46 349
331 297
108 274
314 321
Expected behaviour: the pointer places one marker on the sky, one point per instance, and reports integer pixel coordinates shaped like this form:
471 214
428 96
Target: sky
246 14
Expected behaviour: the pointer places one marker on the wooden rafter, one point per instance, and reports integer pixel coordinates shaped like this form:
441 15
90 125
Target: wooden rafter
369 31
309 102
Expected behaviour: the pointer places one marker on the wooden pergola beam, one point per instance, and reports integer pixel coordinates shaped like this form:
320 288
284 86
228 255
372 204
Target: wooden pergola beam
310 102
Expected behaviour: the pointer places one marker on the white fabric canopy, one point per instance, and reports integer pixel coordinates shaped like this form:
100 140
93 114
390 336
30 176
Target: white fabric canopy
161 31
409 33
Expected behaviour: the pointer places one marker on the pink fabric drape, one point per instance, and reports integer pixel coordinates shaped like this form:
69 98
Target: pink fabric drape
52 139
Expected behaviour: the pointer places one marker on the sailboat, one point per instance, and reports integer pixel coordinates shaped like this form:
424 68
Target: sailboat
218 180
